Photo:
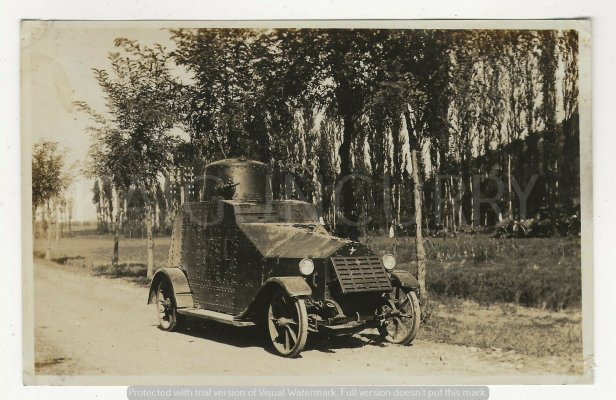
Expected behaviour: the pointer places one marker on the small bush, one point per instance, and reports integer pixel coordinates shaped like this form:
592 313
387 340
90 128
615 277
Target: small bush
133 272
122 270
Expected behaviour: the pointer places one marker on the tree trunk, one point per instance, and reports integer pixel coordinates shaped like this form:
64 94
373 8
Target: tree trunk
417 195
452 201
33 222
348 206
155 219
116 232
47 233
509 194
421 252
70 221
470 185
148 225
58 223
399 199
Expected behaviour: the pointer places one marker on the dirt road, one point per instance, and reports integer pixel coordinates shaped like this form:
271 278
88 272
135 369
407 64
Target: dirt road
87 325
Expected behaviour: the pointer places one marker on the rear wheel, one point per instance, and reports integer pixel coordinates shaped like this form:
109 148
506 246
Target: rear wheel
165 303
401 317
287 324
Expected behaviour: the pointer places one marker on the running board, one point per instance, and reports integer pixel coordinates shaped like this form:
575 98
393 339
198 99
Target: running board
214 316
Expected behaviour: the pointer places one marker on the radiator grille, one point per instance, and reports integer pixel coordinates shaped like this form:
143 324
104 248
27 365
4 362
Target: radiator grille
361 274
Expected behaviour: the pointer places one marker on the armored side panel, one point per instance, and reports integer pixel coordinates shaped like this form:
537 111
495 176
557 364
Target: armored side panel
222 266
201 254
244 260
235 179
174 259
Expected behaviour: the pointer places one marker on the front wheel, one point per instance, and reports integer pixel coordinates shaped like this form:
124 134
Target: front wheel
401 317
287 323
519 231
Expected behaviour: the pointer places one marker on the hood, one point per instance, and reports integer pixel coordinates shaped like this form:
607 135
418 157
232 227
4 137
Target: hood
292 240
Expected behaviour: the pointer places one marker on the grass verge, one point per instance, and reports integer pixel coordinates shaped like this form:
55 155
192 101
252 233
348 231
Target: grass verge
505 328
542 273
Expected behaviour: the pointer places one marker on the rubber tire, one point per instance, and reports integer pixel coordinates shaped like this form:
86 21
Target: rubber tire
416 320
165 288
302 334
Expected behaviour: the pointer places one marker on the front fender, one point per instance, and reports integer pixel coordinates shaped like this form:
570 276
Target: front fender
294 286
404 279
179 282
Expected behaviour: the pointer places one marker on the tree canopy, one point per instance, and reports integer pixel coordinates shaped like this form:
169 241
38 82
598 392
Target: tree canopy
325 104
50 176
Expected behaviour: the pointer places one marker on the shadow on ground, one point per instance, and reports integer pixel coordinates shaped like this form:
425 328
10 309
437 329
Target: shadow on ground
256 337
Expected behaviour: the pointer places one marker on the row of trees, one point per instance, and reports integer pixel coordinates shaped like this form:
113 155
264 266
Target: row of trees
51 178
167 198
384 107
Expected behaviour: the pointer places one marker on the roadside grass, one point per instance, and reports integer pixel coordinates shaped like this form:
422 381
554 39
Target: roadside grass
505 328
136 273
95 253
540 272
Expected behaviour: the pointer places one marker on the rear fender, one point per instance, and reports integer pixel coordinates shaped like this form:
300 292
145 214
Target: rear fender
179 282
404 279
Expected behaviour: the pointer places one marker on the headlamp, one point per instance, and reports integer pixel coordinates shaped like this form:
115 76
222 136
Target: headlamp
306 266
389 262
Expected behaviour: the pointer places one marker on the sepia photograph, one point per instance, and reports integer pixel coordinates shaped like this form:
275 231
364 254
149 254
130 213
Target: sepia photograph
307 202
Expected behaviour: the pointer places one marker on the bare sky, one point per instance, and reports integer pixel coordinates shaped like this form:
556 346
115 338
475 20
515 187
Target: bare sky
62 56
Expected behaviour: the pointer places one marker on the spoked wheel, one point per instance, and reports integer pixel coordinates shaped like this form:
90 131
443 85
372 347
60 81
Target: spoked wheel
401 317
287 323
519 231
165 304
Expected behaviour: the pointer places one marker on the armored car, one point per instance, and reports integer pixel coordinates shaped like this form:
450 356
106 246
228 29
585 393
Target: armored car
240 257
